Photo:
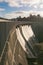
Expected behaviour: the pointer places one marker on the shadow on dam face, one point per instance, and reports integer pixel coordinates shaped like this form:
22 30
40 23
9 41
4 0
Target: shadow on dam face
26 35
38 31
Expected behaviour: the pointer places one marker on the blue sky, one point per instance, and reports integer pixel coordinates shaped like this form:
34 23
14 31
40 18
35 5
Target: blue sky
15 8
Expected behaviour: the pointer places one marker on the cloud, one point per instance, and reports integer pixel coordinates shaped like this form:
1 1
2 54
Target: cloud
29 1
22 14
21 3
16 14
35 6
13 3
1 0
41 6
2 9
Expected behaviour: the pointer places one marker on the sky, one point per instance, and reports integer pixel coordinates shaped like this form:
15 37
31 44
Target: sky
15 8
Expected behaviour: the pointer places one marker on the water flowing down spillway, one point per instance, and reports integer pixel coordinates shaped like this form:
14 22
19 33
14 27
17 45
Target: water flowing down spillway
26 38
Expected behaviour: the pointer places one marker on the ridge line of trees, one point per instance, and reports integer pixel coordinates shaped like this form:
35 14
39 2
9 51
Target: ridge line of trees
30 18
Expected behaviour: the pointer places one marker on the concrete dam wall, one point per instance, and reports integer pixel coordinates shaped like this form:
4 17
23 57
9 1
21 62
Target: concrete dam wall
20 43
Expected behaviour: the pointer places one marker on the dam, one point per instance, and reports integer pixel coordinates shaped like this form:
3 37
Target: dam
19 43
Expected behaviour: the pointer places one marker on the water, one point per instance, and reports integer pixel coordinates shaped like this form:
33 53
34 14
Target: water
26 38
